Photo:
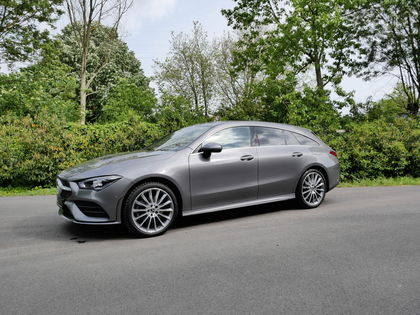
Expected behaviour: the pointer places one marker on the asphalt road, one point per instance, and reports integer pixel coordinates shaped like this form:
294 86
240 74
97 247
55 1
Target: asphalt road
359 253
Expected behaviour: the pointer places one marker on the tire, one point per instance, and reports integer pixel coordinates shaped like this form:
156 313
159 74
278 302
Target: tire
311 189
149 210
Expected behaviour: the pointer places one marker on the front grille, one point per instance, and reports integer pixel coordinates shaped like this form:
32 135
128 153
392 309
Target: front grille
65 194
67 212
91 209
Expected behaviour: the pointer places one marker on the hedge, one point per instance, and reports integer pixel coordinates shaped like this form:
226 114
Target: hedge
34 151
373 149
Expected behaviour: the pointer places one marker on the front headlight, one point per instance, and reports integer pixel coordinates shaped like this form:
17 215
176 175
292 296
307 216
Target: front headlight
98 183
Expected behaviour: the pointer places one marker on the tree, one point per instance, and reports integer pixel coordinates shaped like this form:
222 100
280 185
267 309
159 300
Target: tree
389 108
47 87
109 54
127 99
188 70
174 112
85 15
295 35
20 34
232 86
391 44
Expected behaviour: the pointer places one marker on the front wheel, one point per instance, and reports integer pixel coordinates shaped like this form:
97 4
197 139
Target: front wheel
311 189
150 209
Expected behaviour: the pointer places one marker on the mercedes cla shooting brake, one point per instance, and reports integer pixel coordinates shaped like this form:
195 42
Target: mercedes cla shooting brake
197 169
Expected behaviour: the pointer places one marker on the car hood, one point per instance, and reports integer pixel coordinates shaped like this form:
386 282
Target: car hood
114 164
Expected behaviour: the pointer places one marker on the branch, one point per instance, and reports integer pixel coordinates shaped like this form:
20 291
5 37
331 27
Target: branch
93 76
274 12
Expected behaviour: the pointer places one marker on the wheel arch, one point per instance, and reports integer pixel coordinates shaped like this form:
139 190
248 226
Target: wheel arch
319 168
160 179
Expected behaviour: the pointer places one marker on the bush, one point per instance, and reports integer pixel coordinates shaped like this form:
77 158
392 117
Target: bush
378 149
34 151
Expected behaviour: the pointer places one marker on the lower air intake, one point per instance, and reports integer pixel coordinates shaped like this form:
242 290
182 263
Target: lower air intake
91 209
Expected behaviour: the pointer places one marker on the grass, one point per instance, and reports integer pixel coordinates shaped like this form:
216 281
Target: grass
398 181
25 191
382 181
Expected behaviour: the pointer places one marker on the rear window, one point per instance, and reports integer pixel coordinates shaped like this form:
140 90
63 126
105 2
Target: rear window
291 138
305 140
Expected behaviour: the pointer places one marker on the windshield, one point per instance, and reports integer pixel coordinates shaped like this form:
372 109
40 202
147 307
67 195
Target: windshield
180 138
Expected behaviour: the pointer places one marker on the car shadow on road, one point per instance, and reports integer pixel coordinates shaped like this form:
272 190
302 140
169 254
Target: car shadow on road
233 214
82 233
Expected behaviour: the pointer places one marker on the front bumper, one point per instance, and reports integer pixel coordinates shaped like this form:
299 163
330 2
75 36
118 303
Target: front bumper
85 206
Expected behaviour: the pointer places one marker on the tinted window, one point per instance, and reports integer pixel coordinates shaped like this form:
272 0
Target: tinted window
270 136
236 137
305 140
290 138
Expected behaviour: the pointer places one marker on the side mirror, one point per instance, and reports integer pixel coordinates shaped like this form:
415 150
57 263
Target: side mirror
208 148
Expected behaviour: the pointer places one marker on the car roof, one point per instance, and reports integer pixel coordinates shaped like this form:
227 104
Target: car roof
255 123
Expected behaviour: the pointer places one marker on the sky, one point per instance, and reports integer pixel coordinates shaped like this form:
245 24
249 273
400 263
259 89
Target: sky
148 25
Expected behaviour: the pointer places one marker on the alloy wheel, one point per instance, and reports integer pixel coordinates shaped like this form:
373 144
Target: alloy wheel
152 210
313 188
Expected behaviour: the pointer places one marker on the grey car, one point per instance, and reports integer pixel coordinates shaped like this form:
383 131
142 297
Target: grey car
198 169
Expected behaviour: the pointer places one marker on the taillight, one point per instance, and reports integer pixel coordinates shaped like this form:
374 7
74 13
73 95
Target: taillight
333 153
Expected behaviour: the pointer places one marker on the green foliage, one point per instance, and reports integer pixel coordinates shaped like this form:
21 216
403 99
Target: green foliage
378 149
314 110
298 35
176 112
127 99
34 150
20 33
268 100
47 86
280 101
259 77
389 42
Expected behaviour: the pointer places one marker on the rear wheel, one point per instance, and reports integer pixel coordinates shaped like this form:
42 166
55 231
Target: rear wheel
311 189
150 209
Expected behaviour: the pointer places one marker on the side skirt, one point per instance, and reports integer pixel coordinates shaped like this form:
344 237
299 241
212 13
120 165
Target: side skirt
240 205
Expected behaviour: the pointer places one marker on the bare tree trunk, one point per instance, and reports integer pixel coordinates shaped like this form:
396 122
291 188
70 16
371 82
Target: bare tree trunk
203 86
83 88
318 73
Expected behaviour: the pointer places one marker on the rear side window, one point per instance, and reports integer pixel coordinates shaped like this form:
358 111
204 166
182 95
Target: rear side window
270 136
305 140
290 138
236 137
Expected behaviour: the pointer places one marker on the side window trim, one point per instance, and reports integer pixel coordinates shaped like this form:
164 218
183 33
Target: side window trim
255 142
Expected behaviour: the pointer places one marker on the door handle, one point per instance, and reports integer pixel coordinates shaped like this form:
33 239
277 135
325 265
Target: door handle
247 157
297 154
